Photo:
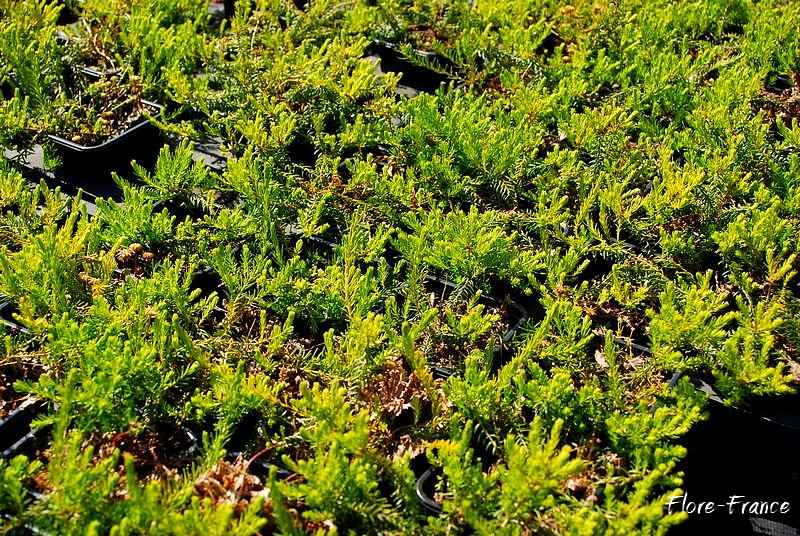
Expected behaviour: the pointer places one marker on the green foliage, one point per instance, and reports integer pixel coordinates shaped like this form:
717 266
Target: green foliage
341 482
133 221
234 394
512 494
29 56
111 382
465 246
42 276
628 171
16 474
176 176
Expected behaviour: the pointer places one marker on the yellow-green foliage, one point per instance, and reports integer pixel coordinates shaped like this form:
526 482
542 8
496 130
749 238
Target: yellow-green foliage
627 170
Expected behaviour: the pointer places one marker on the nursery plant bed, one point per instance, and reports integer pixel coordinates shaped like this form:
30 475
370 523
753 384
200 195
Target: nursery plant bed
534 151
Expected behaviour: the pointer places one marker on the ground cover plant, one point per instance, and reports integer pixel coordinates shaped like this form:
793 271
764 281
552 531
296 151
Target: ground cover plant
458 266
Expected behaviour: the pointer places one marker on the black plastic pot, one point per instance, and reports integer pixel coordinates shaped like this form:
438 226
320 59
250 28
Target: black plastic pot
302 151
413 75
31 167
425 489
6 90
260 468
7 310
782 412
319 245
67 14
190 439
140 142
424 492
230 8
776 82
16 434
750 451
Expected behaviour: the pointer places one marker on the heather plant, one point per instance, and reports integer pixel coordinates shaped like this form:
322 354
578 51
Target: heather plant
163 42
30 58
336 487
176 178
42 277
286 339
26 208
465 246
87 484
470 152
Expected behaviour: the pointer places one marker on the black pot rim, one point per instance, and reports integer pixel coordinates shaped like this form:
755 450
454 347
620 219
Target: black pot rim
428 503
110 142
21 416
282 474
7 307
741 409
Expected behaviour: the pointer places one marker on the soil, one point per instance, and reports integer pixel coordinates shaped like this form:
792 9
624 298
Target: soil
158 454
103 109
780 97
448 352
10 372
